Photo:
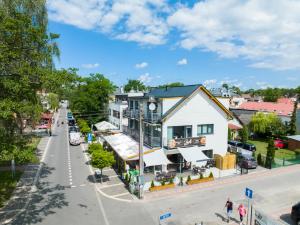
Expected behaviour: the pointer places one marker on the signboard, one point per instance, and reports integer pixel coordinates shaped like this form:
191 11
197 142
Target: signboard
90 137
165 216
186 142
249 193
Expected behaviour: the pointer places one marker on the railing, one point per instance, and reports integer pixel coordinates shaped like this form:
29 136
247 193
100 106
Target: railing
131 113
148 140
184 142
152 117
152 141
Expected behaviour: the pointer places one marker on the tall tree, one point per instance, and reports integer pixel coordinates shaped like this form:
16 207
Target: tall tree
27 51
89 99
292 125
135 85
101 159
244 134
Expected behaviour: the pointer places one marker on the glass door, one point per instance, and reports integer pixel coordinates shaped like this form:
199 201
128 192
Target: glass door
188 131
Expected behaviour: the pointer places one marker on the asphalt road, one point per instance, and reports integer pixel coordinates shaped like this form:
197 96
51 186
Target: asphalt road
66 195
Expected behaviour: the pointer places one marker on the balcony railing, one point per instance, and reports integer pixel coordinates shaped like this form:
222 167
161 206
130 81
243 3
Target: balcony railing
131 113
148 140
152 117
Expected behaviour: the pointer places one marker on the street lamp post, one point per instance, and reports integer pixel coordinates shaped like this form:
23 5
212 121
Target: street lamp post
141 159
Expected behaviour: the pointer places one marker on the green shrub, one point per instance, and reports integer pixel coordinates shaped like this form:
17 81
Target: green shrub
163 183
126 177
152 184
201 176
211 175
94 147
188 179
171 181
181 181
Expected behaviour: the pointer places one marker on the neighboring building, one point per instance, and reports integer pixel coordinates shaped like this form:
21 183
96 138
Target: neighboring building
188 122
283 109
293 142
236 101
117 105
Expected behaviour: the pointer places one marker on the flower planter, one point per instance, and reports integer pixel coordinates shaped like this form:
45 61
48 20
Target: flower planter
162 187
203 180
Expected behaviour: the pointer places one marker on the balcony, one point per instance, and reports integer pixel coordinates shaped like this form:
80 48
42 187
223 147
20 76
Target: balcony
148 140
131 113
152 117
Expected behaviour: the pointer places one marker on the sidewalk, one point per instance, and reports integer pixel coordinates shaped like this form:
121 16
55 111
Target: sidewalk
217 183
26 185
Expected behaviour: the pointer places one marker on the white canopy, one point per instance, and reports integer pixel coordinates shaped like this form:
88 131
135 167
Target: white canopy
124 146
193 154
155 158
104 126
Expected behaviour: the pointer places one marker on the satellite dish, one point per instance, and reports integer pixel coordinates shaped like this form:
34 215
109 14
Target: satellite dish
152 106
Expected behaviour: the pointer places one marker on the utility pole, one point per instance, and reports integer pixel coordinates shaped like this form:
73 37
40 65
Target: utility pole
141 153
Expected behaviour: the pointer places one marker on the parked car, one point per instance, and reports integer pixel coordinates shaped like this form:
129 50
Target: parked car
235 146
247 162
73 129
249 147
278 143
295 213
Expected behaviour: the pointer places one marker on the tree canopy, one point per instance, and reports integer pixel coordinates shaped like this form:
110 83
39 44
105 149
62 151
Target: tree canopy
135 85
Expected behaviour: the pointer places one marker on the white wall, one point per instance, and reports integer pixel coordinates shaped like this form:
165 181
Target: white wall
201 110
169 103
118 106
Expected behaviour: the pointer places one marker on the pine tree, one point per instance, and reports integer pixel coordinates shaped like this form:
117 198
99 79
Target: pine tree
292 125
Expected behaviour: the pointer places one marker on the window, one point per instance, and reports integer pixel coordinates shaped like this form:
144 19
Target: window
136 105
131 104
116 114
205 129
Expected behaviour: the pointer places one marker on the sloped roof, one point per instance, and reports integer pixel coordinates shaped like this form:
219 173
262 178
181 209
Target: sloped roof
281 109
169 92
202 88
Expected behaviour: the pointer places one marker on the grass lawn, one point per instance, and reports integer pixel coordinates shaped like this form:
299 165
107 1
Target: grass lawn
7 185
261 147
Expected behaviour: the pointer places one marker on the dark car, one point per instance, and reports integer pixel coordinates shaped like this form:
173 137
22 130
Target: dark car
233 145
295 213
249 147
247 162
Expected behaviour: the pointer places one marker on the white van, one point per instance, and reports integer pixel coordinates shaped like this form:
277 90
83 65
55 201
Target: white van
74 138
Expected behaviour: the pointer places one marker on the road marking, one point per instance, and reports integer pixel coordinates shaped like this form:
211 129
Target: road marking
73 186
82 185
122 194
107 170
111 185
113 176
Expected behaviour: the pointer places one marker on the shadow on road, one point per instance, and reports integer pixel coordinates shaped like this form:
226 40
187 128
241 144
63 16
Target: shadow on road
224 218
91 179
44 201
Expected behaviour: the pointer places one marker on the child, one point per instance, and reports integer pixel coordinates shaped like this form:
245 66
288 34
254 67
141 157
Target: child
242 212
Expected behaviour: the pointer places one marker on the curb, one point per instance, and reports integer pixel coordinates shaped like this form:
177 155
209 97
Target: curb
94 179
36 177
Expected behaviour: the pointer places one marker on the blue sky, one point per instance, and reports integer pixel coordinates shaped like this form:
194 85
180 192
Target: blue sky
161 42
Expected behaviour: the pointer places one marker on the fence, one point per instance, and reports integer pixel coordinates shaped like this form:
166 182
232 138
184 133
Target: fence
278 162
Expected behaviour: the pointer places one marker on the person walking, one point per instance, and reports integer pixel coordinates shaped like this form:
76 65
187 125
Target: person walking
242 212
229 207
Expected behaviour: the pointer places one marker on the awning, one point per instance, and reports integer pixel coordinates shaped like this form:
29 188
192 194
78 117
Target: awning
124 146
155 158
105 126
193 154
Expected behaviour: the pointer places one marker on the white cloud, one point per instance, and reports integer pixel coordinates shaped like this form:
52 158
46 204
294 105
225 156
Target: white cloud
141 65
145 78
140 21
209 83
182 62
90 65
265 32
263 85
292 78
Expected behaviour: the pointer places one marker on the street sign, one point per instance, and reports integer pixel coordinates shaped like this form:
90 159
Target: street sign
165 216
249 193
90 138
